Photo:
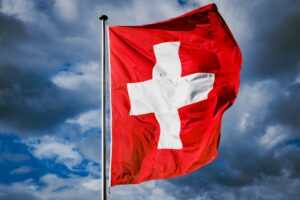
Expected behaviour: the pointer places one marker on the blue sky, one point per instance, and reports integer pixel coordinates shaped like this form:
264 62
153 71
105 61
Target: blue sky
50 102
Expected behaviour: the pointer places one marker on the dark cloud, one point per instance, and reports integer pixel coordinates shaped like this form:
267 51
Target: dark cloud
286 107
290 160
29 100
274 51
12 31
7 193
273 55
246 167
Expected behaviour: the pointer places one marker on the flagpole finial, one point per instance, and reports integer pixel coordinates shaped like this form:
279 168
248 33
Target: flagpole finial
103 17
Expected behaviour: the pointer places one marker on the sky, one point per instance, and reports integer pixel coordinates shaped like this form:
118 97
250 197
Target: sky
50 102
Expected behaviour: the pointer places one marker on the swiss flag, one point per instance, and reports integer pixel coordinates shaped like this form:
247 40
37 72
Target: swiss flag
170 85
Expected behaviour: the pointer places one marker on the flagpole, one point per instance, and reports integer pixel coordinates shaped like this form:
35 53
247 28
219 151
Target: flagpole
103 19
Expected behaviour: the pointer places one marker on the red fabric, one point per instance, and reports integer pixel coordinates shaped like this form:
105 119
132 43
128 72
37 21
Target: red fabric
207 45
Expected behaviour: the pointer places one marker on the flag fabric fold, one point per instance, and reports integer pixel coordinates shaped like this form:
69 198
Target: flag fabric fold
171 82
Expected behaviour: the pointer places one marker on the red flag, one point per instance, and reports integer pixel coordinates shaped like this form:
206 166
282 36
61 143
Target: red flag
170 85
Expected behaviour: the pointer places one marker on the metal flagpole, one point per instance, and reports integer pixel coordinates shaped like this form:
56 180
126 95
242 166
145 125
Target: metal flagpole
103 18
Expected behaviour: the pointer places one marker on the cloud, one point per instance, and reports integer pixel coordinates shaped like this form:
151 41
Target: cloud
274 49
145 191
66 9
71 188
87 120
18 191
15 157
258 190
23 10
92 185
29 101
274 135
74 188
13 31
32 158
84 76
91 147
285 109
21 170
253 98
142 11
52 148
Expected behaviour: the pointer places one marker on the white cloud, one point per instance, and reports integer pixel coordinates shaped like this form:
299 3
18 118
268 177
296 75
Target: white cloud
250 108
67 10
91 147
255 97
92 185
273 135
81 76
244 121
152 190
87 120
73 188
21 170
38 21
27 12
27 185
51 148
143 11
297 80
23 10
15 157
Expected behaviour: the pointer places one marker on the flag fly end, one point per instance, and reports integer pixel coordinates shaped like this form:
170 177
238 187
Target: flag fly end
171 83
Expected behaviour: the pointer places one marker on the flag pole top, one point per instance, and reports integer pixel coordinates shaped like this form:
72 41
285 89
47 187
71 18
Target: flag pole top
103 17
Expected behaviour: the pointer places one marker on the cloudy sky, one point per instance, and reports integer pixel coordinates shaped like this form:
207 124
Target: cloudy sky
50 102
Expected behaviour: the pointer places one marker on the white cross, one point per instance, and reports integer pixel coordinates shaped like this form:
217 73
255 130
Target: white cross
167 91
